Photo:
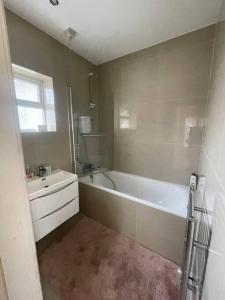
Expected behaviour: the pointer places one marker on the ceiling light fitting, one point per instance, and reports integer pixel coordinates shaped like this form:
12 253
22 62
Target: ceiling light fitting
54 2
70 33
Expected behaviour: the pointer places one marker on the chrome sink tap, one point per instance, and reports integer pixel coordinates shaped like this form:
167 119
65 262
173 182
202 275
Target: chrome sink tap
44 170
41 171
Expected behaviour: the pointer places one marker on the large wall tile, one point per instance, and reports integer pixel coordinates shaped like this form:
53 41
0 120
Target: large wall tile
214 287
153 105
163 161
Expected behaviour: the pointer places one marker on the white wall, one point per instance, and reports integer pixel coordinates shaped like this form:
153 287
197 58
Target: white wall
212 165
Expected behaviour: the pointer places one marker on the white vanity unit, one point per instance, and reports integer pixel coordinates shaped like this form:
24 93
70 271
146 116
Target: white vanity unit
53 200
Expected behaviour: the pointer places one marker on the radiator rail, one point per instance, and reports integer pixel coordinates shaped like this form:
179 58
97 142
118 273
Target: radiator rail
197 240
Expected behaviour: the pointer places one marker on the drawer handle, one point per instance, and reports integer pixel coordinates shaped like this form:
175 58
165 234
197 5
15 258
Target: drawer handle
55 191
54 211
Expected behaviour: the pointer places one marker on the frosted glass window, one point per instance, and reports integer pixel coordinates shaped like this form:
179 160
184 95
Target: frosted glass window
27 90
30 118
35 100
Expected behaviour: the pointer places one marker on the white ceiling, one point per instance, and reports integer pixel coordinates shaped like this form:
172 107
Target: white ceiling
108 29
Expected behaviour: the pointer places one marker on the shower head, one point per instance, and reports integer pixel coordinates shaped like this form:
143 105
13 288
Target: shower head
91 103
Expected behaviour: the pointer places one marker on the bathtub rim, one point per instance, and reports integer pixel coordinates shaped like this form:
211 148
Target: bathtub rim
102 170
133 198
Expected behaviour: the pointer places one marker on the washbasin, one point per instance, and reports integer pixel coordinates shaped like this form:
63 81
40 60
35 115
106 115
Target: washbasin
53 200
40 186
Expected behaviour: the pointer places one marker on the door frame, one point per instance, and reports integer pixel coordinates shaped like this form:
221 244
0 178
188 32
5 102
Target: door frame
19 266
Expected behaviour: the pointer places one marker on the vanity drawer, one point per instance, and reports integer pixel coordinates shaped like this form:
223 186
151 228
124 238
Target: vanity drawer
46 224
48 203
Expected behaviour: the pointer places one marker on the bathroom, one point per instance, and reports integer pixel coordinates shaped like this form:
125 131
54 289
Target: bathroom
112 139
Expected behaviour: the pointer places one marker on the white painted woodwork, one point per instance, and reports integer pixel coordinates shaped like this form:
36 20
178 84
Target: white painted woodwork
17 246
3 290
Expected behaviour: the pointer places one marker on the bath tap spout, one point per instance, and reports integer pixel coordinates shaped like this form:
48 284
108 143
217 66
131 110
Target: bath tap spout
91 176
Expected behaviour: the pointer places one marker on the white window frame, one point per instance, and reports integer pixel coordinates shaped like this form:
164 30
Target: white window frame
31 104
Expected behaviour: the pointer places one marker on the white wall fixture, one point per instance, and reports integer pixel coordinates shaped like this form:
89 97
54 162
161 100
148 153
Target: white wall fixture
53 200
85 124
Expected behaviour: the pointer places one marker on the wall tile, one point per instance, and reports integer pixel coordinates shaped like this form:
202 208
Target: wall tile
153 103
163 161
214 287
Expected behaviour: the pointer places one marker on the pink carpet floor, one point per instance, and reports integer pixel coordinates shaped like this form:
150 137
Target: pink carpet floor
93 262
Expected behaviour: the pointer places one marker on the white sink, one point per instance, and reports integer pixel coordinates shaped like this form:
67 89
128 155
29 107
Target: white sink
53 200
40 186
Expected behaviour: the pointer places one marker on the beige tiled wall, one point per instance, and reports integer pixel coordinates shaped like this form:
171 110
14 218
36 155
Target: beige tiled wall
159 95
212 165
34 49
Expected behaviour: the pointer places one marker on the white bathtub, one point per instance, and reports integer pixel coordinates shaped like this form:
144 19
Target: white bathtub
169 197
149 211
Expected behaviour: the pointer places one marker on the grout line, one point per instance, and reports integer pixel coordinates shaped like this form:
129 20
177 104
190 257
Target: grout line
214 170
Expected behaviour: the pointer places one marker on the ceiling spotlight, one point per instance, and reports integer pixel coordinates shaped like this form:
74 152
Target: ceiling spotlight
54 2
